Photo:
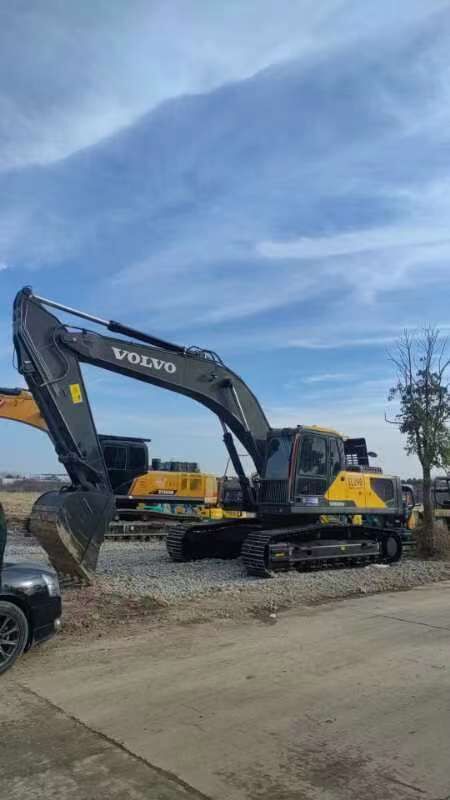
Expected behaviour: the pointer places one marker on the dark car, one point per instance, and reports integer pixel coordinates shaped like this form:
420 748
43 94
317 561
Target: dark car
30 604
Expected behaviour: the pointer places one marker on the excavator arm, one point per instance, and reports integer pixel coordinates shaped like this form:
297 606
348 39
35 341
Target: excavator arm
49 357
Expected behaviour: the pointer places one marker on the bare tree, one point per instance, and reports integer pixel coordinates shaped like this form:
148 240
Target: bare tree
423 391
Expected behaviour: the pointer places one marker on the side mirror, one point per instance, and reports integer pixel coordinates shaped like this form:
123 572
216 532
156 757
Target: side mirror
371 454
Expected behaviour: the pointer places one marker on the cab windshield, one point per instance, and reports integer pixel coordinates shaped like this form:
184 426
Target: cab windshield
278 455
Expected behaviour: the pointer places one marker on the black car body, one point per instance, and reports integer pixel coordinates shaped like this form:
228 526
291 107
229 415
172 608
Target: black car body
27 585
30 604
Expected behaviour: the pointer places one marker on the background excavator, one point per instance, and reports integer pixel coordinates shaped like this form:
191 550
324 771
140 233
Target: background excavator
317 500
18 405
170 487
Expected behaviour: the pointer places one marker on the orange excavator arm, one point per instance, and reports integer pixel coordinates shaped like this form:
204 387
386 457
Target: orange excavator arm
18 405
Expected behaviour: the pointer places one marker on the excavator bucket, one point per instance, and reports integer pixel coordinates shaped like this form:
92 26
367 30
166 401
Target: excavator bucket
71 526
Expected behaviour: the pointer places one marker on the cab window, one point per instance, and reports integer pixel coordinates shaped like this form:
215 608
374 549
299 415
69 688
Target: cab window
278 455
137 458
115 457
313 457
335 458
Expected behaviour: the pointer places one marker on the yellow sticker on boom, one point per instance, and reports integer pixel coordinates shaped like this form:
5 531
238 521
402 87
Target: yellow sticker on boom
75 391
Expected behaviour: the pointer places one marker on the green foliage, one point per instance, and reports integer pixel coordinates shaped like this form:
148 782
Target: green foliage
422 390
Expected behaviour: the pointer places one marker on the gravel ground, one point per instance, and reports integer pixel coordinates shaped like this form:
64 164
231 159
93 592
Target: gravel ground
144 570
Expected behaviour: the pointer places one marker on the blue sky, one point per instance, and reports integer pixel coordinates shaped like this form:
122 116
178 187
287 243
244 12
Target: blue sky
269 180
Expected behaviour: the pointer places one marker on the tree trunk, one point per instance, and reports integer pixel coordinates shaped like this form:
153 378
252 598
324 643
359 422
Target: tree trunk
426 543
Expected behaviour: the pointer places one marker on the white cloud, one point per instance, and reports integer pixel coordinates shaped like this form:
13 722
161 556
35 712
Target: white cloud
356 242
337 343
328 377
381 259
362 264
87 69
280 337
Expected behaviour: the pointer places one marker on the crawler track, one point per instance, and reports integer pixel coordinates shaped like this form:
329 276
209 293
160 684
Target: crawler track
221 539
266 550
318 546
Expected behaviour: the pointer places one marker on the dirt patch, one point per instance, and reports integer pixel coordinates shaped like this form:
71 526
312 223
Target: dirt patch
91 610
95 611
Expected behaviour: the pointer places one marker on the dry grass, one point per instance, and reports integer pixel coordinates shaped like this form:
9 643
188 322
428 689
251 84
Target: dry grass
18 502
17 507
441 540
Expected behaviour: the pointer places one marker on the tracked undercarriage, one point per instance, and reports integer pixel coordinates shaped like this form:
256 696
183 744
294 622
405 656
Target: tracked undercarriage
266 550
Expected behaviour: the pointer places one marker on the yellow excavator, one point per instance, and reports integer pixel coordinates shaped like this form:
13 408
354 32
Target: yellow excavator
18 405
140 493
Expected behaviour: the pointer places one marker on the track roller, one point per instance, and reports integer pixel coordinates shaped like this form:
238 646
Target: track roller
392 547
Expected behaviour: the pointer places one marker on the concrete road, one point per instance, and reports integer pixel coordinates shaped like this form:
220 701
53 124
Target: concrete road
346 701
47 755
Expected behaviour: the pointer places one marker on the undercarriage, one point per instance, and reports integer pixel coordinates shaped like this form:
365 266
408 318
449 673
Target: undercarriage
266 549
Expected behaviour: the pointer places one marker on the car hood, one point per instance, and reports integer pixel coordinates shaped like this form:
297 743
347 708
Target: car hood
26 567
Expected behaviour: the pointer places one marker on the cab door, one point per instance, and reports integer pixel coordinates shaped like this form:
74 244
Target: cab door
115 456
336 459
312 475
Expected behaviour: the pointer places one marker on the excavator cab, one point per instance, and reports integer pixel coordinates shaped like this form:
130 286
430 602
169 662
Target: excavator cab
441 492
301 463
126 458
312 469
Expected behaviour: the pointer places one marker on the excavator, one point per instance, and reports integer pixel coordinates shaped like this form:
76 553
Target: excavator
316 501
137 489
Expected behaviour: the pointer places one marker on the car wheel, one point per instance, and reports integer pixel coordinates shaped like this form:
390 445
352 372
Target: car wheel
13 634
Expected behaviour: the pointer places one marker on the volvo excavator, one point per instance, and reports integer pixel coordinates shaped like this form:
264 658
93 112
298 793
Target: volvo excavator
317 500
